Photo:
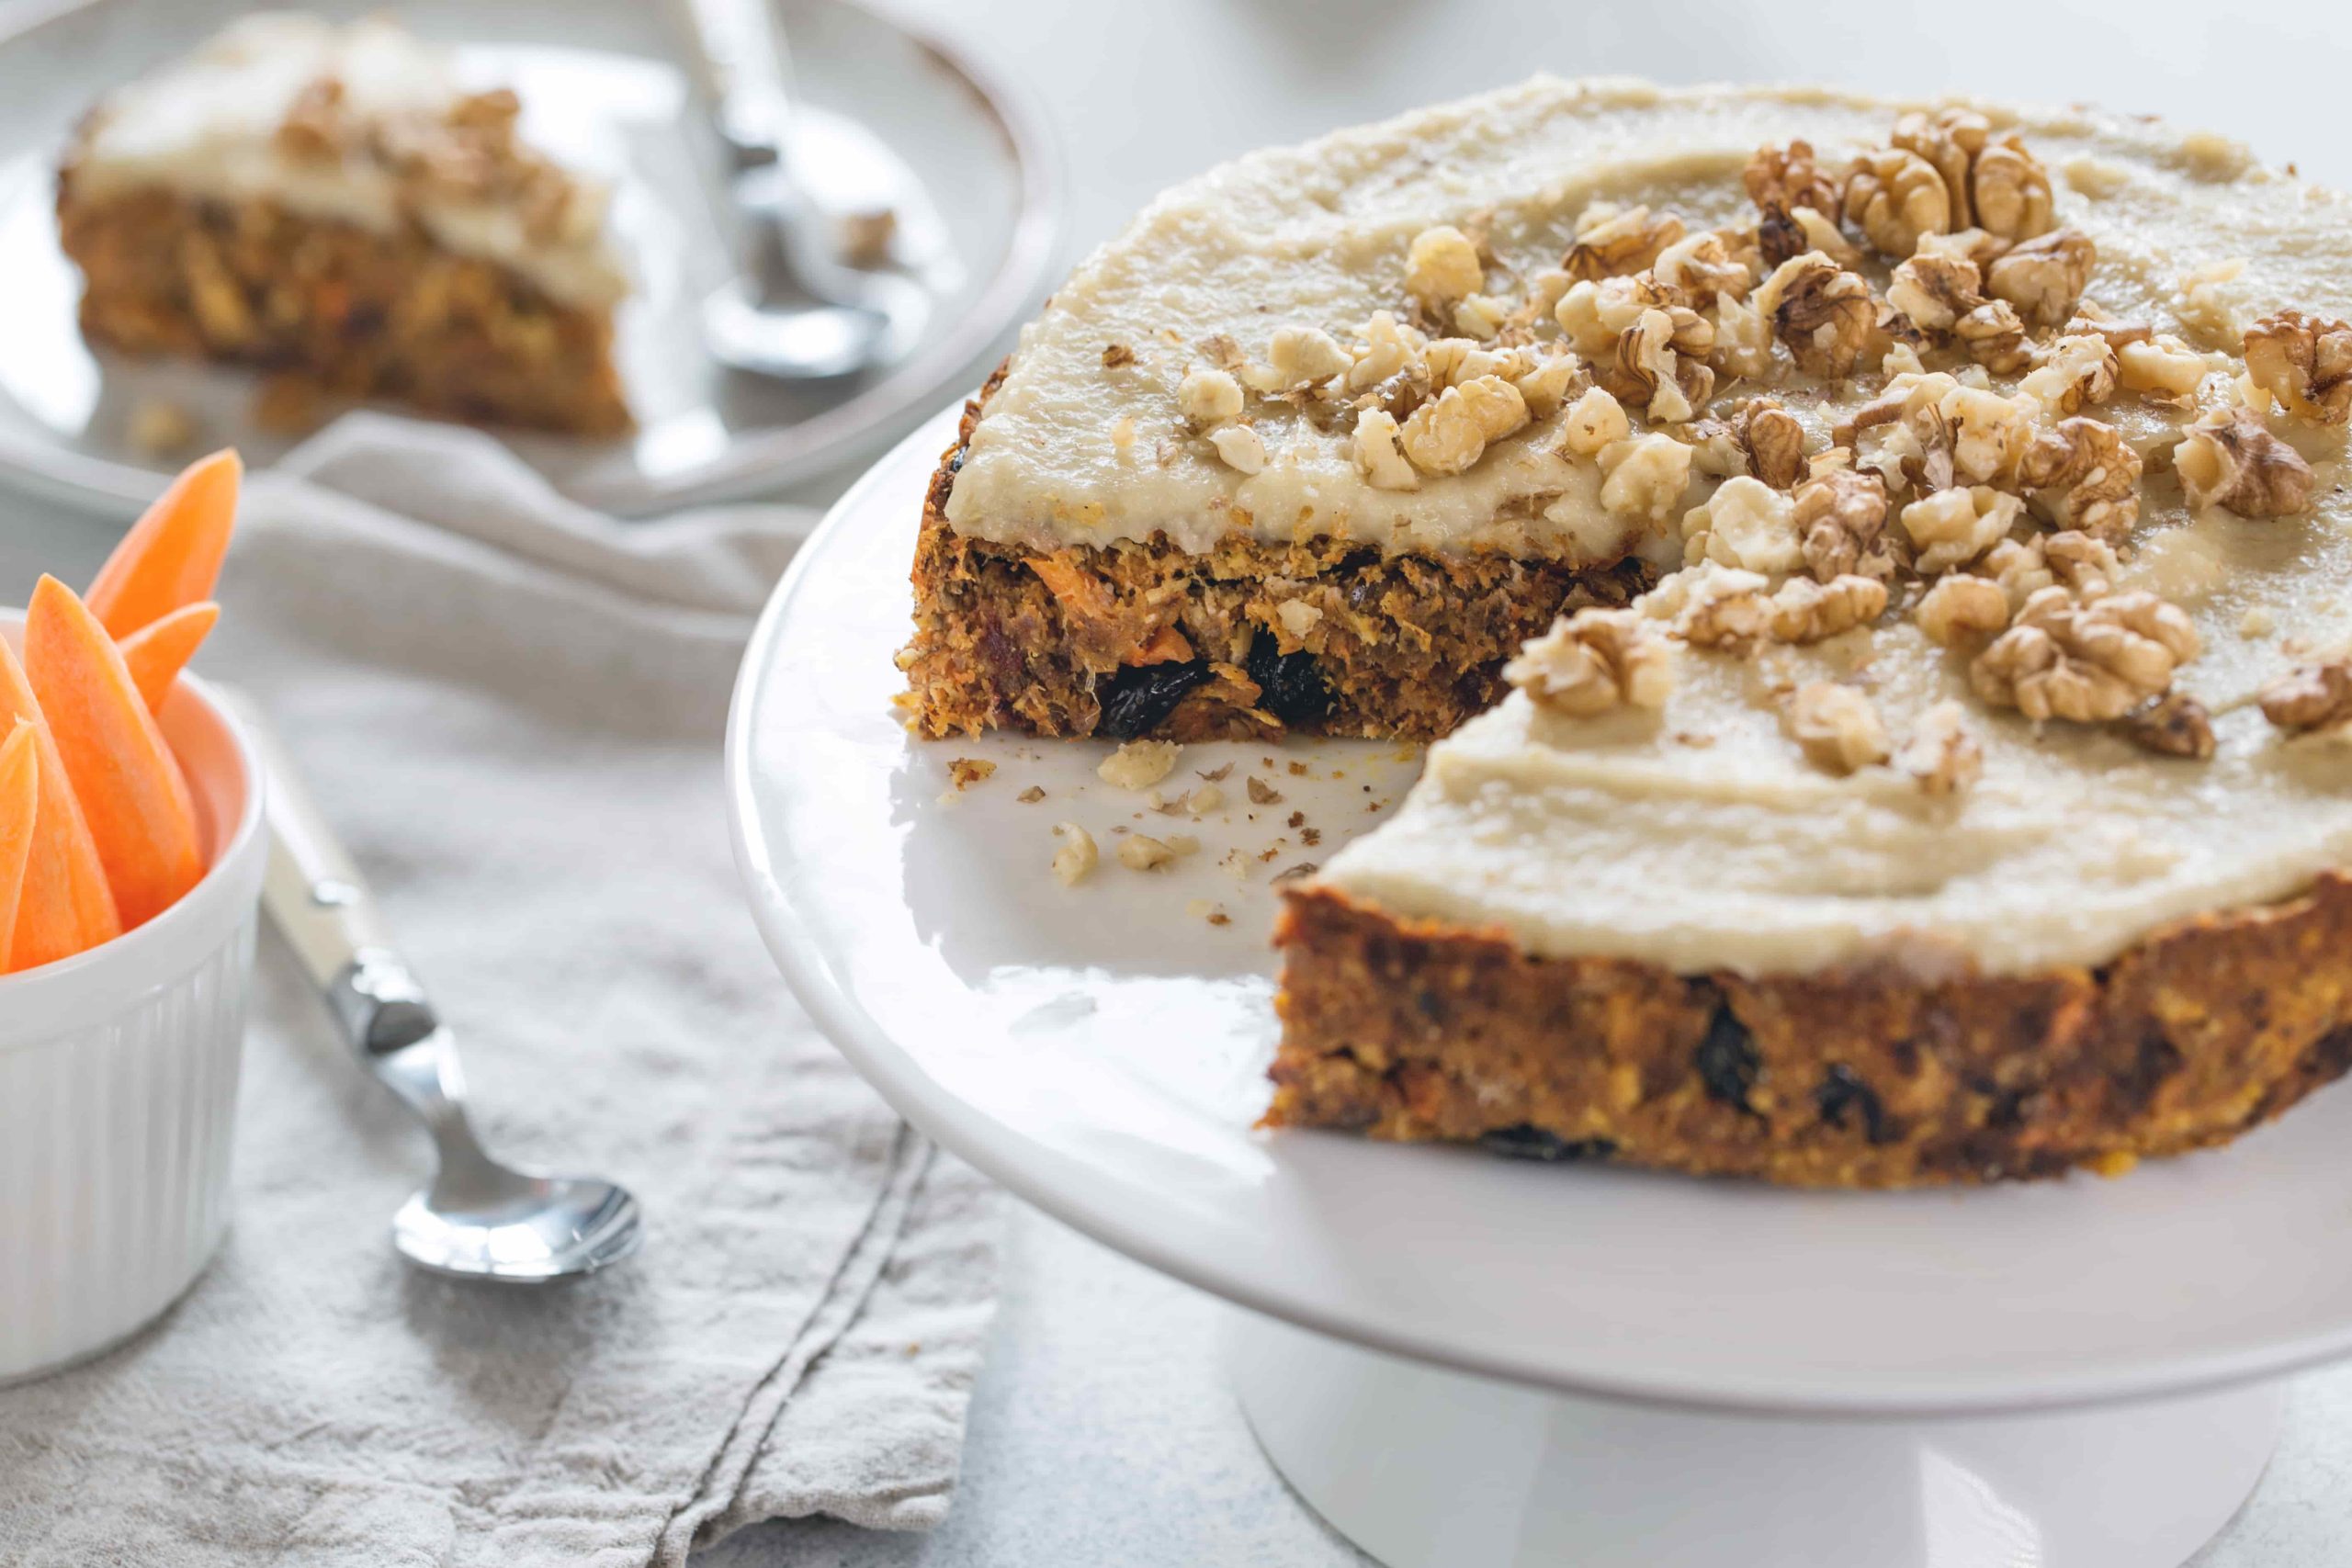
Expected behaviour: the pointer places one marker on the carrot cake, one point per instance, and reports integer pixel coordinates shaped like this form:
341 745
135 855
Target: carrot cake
1972 798
330 201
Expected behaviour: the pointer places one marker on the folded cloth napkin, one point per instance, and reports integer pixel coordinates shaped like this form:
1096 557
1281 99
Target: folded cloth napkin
512 710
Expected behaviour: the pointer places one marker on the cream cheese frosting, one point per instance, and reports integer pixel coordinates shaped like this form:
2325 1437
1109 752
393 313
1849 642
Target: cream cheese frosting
207 126
1699 834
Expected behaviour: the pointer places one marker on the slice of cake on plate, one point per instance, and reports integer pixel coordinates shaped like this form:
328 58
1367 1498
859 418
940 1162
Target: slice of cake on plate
1974 800
331 202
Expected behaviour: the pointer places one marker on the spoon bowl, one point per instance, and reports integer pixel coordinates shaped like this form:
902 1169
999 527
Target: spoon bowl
517 1228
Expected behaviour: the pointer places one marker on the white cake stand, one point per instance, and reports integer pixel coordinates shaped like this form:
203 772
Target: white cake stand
1461 1360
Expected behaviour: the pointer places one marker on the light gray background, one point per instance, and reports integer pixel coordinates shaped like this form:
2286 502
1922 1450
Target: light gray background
1103 1432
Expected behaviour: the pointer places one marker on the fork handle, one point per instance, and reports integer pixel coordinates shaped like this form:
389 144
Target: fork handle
322 907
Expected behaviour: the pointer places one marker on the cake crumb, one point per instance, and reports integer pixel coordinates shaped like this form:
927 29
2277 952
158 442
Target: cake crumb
965 771
1298 872
1205 799
1263 793
1310 837
1298 770
1031 796
1216 774
1296 820
1078 857
1138 764
1142 852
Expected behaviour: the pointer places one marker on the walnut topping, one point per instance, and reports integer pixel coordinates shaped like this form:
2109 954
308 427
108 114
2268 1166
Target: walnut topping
1743 339
2230 459
1991 182
1805 611
1952 527
1595 422
1239 446
1995 337
2089 473
1614 243
1942 756
2311 697
1840 519
2044 277
1823 313
1443 267
2089 661
1893 197
1773 441
1306 357
1837 727
1711 605
2160 366
1935 289
1658 364
1702 267
1449 434
2073 561
1208 397
1989 433
1380 452
2075 373
2305 362
1745 523
1594 315
1643 476
1138 764
2174 725
1546 386
1595 660
1387 348
1959 611
1114 354
1783 179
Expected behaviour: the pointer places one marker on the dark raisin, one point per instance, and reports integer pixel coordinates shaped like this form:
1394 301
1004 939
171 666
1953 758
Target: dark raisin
1528 1140
1728 1064
1136 698
1290 686
1841 1092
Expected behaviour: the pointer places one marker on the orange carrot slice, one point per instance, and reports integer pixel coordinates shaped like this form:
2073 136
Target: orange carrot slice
19 805
159 651
124 773
172 555
65 905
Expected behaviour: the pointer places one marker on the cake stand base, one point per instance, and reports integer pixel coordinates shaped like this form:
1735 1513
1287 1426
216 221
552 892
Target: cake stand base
1425 1468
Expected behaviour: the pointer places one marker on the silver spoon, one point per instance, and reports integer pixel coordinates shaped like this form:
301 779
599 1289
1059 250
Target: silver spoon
793 311
478 1219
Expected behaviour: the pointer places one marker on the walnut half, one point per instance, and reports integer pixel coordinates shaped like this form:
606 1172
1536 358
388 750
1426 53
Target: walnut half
2231 459
2089 661
1823 312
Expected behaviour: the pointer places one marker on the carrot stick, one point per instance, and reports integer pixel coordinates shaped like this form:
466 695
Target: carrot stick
124 773
65 905
158 651
19 805
172 555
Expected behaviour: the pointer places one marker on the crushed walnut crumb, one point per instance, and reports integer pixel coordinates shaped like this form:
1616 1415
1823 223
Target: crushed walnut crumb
1031 796
965 771
1942 756
1837 727
2310 698
1077 858
1138 764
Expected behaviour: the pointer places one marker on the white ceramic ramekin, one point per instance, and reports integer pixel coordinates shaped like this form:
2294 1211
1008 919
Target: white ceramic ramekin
119 1084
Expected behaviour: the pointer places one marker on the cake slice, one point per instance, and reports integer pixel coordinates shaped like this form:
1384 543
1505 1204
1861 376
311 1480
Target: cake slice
331 202
1973 800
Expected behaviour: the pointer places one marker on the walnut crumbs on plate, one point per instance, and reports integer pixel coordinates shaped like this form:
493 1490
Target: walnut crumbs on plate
1879 568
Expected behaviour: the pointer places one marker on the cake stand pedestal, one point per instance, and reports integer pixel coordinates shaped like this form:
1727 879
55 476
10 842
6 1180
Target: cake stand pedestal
1427 1468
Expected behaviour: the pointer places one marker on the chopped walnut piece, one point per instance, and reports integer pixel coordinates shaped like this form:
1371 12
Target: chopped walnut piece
2305 362
965 771
1387 348
1075 860
2072 559
1894 195
2044 277
2311 697
1711 605
1743 339
1823 313
1783 179
1936 291
1773 441
1306 357
1745 523
1595 420
1952 527
1995 337
1207 397
1703 269
1443 267
1380 453
1595 660
2091 475
1449 434
1546 386
2161 366
1942 756
1805 611
1140 852
1239 446
2231 459
1261 793
1837 727
1115 354
2208 301
1657 365
2173 724
1495 405
1989 433
1138 764
2075 373
1840 518
1991 182
1643 476
1031 796
1959 611
2089 661
1621 243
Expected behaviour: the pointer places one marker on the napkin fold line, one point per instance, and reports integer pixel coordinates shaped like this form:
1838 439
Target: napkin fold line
854 1281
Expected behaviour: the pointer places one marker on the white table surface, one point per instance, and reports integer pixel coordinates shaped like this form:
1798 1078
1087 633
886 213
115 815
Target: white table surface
1103 1432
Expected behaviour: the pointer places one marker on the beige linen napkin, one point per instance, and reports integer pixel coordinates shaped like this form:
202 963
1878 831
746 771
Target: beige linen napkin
512 712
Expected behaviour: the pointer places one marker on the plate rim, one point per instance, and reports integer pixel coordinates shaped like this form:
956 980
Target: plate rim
998 1150
114 487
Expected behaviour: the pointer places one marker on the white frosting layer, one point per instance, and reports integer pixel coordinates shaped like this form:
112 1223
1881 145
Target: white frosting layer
206 127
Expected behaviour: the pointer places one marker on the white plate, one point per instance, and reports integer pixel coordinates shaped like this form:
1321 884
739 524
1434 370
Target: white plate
1100 1050
965 156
